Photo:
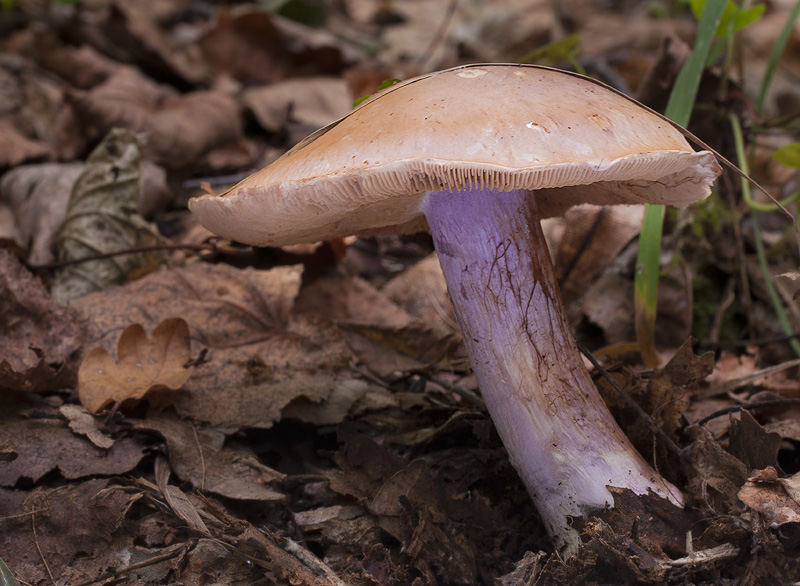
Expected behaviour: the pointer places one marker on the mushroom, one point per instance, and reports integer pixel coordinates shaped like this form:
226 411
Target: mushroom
479 154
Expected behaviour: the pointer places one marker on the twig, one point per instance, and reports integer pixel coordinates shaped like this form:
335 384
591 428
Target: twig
728 386
671 446
759 405
750 342
39 549
202 459
437 38
210 247
139 565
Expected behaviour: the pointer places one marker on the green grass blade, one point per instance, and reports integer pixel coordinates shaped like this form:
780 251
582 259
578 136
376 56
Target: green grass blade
761 254
6 577
679 109
776 55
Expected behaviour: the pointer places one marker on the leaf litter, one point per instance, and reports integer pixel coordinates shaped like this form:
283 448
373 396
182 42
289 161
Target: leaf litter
293 418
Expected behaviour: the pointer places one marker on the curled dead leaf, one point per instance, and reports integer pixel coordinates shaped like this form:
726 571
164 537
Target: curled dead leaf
145 364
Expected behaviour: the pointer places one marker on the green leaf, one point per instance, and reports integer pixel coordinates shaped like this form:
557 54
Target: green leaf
739 17
6 577
789 155
564 49
748 16
386 83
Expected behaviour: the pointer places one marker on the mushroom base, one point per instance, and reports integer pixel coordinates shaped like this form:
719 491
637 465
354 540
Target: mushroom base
560 436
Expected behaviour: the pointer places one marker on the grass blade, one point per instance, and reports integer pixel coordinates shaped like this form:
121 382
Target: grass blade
679 109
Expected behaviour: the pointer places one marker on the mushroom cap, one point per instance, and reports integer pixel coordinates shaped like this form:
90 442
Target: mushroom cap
569 139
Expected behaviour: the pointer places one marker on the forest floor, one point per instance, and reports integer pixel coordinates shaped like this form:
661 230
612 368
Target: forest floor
307 415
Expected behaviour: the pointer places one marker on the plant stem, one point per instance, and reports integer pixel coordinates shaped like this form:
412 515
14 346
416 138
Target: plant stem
761 254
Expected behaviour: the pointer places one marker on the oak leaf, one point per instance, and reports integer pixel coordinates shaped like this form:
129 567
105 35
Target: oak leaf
145 364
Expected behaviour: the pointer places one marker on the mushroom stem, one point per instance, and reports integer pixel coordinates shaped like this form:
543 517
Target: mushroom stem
560 436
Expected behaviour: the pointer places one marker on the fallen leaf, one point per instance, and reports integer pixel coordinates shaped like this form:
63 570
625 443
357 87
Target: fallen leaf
39 195
715 476
593 239
145 364
83 67
197 455
101 217
300 106
63 524
45 444
261 355
176 139
16 148
84 423
752 444
422 291
177 500
39 339
257 47
667 389
124 100
133 26
778 501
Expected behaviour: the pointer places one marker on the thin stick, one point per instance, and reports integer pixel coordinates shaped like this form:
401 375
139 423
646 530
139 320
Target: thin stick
671 445
39 549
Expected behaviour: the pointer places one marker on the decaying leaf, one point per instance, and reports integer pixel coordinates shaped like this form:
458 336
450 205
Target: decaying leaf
45 444
60 523
145 364
197 455
175 139
101 217
39 339
752 444
178 501
124 100
778 499
667 386
715 476
261 355
39 195
422 291
84 423
300 106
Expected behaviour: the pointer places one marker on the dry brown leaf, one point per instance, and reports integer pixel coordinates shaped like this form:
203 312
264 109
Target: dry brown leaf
145 364
29 320
197 455
300 106
260 357
39 194
422 291
16 148
777 501
68 522
257 47
177 500
45 444
668 387
84 423
184 129
83 67
593 237
133 26
125 100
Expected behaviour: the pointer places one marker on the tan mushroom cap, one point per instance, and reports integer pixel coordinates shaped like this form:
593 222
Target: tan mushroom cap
500 126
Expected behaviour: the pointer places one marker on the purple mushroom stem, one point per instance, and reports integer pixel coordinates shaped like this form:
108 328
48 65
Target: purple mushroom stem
559 434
